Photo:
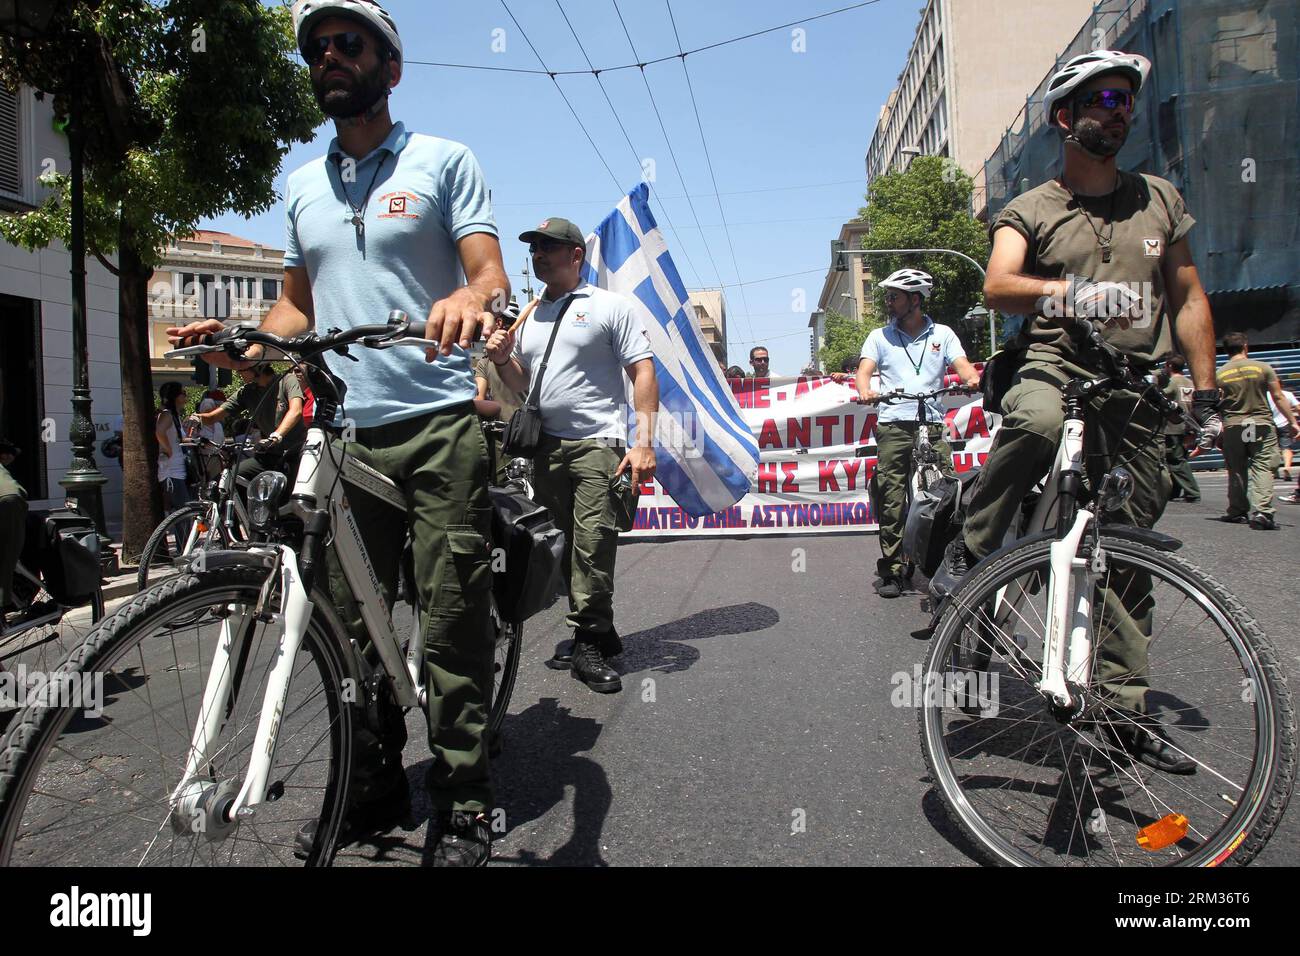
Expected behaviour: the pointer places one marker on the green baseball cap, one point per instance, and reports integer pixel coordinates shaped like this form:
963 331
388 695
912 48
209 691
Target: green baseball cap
555 228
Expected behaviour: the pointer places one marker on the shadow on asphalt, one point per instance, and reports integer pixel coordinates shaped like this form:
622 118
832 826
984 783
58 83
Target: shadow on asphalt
659 648
542 756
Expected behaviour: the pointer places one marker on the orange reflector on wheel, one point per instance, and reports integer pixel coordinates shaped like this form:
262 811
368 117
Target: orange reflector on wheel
1164 832
203 527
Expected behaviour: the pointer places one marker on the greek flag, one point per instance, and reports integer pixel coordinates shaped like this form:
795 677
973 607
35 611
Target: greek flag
705 452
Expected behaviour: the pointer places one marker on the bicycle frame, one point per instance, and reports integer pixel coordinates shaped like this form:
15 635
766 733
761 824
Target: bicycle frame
316 481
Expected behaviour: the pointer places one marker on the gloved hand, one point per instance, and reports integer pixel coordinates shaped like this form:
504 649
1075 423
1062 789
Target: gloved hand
1112 303
1205 409
271 443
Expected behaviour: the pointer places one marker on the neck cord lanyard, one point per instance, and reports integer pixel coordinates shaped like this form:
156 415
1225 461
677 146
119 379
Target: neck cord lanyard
1103 242
907 349
358 212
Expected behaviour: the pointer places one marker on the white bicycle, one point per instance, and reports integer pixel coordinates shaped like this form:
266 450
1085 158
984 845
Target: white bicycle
231 694
1027 719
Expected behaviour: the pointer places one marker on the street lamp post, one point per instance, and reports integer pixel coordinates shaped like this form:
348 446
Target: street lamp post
84 483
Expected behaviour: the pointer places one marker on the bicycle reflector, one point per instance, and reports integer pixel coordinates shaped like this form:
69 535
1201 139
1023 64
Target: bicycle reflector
264 498
1166 831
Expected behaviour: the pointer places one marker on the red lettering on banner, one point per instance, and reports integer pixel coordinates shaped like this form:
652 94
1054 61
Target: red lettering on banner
791 469
977 426
767 478
751 392
827 424
851 469
870 468
770 436
868 431
826 475
798 431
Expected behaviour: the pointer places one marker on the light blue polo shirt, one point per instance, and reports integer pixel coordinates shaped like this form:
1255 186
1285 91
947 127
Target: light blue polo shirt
912 364
428 193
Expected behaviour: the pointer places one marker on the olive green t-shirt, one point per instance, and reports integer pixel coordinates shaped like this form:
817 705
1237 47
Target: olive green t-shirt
498 391
1148 216
1245 385
266 415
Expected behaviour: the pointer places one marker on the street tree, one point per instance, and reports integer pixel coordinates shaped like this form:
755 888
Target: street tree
187 109
844 338
928 207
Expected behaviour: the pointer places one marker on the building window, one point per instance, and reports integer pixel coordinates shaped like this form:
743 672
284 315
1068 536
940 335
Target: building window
11 165
270 290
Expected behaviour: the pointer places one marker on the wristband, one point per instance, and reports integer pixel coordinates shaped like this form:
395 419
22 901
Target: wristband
499 364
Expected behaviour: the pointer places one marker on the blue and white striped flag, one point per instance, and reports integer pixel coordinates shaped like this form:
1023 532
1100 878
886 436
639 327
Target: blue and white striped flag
705 451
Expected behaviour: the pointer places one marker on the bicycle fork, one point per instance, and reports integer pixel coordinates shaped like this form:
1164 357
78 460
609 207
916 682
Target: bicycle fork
215 802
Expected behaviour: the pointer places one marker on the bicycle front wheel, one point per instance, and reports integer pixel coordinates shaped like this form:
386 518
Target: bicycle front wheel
1032 786
98 780
505 667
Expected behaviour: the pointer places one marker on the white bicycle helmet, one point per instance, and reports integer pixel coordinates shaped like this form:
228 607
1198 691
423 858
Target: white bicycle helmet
1084 67
909 280
306 13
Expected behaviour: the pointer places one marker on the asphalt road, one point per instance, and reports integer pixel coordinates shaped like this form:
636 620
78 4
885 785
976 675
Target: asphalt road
757 681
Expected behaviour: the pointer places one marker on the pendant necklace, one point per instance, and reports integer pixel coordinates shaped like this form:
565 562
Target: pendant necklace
358 212
1103 242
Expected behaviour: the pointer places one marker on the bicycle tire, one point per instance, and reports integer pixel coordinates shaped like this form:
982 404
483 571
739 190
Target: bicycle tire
38 732
156 553
1265 794
505 668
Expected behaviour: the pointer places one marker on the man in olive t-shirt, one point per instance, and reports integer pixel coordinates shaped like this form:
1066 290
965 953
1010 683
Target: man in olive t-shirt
1250 447
1110 246
1178 388
279 422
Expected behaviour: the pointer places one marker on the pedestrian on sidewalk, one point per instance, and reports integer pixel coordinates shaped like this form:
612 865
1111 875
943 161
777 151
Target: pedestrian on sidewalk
1178 387
1250 448
590 342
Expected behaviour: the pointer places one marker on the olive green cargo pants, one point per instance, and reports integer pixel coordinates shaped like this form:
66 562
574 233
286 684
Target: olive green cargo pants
572 481
1180 469
1250 468
440 462
1023 452
894 442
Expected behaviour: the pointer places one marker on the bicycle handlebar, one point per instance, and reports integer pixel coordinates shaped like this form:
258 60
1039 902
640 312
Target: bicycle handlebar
898 395
235 341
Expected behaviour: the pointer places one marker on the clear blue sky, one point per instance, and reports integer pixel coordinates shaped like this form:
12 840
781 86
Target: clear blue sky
773 118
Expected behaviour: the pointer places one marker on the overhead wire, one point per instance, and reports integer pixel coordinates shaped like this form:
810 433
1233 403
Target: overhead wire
668 142
636 156
726 230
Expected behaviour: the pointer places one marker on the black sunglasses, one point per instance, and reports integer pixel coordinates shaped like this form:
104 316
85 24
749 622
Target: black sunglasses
350 44
549 245
1108 100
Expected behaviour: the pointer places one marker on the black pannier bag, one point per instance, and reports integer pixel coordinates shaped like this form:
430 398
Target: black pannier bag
930 525
531 578
66 554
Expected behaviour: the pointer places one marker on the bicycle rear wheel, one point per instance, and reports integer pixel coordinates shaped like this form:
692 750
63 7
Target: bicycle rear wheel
1033 787
505 667
189 528
94 781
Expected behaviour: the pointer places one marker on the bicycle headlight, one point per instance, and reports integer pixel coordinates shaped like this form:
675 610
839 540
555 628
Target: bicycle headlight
264 498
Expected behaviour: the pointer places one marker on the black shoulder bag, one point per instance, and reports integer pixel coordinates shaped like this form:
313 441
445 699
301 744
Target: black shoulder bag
524 430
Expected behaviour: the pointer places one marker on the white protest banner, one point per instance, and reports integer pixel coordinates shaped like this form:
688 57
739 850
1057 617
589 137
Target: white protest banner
817 453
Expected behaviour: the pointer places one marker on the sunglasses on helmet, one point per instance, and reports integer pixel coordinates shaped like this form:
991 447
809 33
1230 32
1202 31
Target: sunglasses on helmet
349 43
1108 100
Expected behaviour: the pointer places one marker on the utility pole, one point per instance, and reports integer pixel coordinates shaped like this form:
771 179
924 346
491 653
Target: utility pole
528 289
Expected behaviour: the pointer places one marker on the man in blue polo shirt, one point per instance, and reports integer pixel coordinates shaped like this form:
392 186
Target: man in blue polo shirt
910 353
386 220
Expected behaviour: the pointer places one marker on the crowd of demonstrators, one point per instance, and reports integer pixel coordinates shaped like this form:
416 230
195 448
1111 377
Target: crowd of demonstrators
911 353
1250 440
354 252
1178 387
1111 245
594 340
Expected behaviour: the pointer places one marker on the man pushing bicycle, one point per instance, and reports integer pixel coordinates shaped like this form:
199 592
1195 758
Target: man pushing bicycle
1110 246
385 221
911 353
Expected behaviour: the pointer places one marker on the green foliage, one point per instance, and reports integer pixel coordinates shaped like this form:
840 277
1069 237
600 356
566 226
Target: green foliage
928 207
844 338
187 107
